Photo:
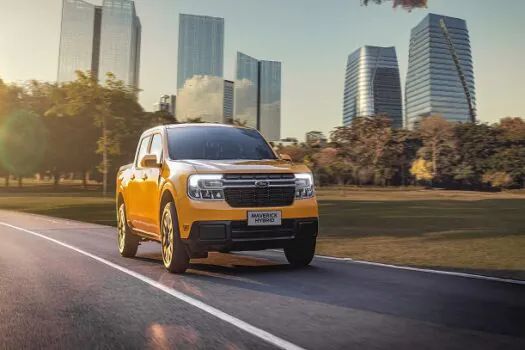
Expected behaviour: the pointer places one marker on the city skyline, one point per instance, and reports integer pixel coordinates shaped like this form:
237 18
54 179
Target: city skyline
373 85
433 85
314 57
100 38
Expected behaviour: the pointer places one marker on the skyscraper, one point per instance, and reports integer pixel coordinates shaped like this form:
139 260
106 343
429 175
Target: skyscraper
102 39
247 89
258 95
79 39
120 41
270 99
372 85
433 84
228 101
200 84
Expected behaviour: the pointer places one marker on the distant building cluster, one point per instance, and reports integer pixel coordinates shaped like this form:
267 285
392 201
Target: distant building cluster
253 99
107 38
440 77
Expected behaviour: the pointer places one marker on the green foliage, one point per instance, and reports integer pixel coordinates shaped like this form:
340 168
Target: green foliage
22 143
84 126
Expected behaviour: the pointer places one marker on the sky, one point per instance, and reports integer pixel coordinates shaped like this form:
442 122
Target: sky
312 39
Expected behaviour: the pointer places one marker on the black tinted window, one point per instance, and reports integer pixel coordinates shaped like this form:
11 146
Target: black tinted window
217 143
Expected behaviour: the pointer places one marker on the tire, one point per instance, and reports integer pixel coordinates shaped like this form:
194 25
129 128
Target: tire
127 242
300 252
174 254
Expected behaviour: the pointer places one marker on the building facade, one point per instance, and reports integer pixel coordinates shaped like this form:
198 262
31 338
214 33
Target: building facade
258 95
433 84
120 42
101 39
247 89
373 85
270 99
79 39
228 101
200 83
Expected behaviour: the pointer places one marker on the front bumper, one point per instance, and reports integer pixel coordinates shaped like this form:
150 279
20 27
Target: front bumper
236 235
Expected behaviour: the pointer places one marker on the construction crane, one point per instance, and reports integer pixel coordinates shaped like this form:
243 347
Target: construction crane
455 58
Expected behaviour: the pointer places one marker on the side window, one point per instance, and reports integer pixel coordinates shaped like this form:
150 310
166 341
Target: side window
156 146
143 148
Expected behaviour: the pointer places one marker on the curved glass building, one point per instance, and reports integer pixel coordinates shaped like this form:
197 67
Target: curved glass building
433 85
372 85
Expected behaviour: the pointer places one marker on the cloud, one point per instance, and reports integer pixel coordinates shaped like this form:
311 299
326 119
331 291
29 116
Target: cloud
202 97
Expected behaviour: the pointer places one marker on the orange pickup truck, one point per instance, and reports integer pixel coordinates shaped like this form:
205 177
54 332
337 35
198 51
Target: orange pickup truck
197 188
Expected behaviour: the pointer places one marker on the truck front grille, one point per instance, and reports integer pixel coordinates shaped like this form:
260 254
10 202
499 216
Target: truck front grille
242 190
259 197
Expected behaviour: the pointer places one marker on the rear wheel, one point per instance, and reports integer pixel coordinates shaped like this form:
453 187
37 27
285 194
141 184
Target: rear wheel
300 252
128 243
174 254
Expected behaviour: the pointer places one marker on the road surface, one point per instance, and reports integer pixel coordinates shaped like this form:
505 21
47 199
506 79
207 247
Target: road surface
63 285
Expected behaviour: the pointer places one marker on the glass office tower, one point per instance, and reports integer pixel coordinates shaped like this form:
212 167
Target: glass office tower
79 39
247 89
200 83
433 85
372 85
270 99
102 39
120 42
258 95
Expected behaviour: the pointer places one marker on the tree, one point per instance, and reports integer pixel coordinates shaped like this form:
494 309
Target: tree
408 5
106 107
22 144
475 144
422 170
437 136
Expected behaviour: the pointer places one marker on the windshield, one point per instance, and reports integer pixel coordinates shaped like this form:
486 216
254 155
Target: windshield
217 143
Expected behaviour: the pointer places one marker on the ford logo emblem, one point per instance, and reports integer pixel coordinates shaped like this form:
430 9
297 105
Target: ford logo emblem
261 183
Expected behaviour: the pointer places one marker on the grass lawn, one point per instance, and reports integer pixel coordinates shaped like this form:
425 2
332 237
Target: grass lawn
467 231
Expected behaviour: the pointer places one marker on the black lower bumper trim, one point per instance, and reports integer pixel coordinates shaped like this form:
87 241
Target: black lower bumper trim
237 235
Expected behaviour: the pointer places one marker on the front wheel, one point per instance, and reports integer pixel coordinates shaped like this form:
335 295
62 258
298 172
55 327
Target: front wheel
128 243
300 252
174 254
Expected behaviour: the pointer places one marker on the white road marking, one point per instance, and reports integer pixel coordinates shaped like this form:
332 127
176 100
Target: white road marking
232 320
441 272
409 268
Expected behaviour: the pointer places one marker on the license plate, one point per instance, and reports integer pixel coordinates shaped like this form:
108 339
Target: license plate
264 218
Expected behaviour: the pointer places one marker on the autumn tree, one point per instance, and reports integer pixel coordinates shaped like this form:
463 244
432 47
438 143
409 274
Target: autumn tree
436 133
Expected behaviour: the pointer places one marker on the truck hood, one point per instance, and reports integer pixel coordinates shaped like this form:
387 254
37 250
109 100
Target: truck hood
245 166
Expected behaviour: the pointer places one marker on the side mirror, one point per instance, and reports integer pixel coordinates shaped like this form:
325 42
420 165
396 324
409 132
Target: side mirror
285 157
150 161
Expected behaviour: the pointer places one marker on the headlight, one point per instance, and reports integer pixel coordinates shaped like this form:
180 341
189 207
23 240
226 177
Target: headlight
304 186
205 187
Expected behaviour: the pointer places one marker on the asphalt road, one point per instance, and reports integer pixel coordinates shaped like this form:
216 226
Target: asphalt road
63 285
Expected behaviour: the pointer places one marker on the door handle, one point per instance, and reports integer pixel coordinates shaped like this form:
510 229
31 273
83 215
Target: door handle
145 177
